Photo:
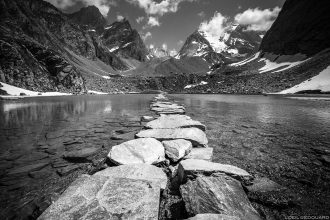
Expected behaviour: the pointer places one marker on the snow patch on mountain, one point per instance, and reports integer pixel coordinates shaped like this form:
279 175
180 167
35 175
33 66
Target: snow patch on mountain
248 60
319 82
16 91
277 67
194 85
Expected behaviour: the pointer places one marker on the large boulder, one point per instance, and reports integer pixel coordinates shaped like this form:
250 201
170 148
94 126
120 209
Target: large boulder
143 150
137 172
219 195
205 153
177 149
195 135
174 121
103 197
192 168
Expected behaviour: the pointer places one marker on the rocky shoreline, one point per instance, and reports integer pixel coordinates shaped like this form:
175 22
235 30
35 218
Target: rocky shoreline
164 173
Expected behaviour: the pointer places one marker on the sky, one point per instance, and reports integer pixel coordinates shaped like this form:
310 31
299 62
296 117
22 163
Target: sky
167 23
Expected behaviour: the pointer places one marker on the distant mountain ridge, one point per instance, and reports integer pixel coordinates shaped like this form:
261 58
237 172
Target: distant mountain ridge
236 43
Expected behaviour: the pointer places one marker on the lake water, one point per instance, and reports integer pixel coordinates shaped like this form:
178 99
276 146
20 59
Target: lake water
284 139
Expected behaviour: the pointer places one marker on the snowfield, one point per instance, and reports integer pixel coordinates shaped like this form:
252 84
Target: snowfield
194 85
97 92
248 60
319 82
270 66
16 91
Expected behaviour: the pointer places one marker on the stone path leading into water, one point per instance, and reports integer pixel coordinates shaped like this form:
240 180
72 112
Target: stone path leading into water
164 173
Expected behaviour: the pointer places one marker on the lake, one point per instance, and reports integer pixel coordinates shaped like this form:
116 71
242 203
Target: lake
284 139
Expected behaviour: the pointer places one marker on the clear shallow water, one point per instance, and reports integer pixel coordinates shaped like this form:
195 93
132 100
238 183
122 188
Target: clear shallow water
38 131
284 139
280 138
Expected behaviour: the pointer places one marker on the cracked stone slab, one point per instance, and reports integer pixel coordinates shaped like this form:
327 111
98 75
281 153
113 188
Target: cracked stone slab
102 197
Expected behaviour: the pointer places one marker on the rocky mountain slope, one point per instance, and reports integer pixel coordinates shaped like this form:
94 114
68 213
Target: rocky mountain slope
43 49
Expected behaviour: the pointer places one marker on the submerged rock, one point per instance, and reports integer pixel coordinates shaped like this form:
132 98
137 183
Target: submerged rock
195 135
138 172
219 195
147 118
80 155
143 150
177 149
28 168
174 121
266 192
200 154
102 197
168 110
193 167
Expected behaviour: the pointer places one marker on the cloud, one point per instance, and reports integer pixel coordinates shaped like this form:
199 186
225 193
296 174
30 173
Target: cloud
180 42
139 19
160 8
216 26
153 21
102 5
173 52
164 46
151 46
146 36
120 18
257 19
201 14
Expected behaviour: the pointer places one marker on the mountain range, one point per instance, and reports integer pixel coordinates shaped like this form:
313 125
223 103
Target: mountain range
43 49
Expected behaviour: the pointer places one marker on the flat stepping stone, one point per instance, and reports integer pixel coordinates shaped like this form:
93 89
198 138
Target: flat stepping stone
221 194
177 149
143 150
192 167
103 197
195 135
138 172
200 154
174 121
167 105
168 110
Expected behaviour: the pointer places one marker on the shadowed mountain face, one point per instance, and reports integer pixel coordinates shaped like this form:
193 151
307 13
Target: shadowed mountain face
302 27
89 17
42 49
124 41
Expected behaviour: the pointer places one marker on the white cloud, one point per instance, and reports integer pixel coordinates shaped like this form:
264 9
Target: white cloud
151 46
216 26
201 14
257 19
153 21
139 19
164 46
102 5
120 18
173 52
146 36
158 8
